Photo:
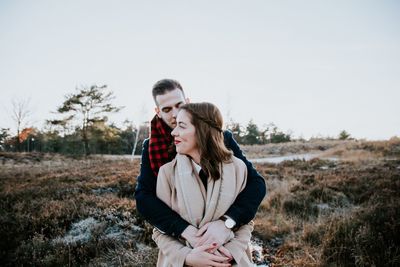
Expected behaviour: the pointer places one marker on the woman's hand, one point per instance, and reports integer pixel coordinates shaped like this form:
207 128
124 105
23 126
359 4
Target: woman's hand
190 235
224 252
201 256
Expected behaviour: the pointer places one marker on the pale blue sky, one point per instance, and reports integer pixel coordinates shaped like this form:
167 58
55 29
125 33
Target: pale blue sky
312 67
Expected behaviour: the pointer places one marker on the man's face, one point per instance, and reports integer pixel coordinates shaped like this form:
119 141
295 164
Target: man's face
168 105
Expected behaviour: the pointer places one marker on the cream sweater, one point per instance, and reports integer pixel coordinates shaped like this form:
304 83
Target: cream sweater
180 187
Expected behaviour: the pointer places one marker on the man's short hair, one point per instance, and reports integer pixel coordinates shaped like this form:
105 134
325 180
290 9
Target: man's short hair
165 85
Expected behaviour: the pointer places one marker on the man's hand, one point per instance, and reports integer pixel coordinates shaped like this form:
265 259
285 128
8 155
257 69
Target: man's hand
190 234
214 232
201 256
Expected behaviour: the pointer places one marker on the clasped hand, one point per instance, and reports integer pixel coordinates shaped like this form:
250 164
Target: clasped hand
207 243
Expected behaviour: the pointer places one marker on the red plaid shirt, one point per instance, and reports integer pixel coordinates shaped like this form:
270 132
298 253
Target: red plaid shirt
161 145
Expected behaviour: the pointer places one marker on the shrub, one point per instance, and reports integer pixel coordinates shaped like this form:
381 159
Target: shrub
344 135
301 206
369 237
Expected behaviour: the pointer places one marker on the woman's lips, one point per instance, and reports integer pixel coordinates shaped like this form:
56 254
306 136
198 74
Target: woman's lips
176 142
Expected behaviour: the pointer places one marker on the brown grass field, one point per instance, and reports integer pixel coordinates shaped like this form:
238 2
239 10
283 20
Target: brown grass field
62 211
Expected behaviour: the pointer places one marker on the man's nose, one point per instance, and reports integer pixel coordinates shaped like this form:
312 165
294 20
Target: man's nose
175 112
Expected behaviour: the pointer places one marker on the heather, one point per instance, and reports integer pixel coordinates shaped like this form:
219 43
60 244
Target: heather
338 209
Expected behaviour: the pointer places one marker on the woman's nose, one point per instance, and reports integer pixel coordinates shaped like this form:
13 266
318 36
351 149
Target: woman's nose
173 133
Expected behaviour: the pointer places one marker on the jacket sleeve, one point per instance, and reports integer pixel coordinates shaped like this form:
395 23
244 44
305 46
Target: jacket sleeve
149 206
240 243
174 250
246 204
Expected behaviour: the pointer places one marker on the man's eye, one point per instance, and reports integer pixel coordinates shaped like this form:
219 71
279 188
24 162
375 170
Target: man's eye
167 110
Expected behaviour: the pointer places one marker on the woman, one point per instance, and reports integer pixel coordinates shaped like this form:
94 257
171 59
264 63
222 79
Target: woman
199 142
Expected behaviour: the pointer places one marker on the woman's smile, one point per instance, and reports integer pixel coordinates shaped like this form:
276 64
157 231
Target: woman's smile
177 142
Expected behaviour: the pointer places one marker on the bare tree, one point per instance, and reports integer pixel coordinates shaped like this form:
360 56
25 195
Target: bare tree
20 114
143 114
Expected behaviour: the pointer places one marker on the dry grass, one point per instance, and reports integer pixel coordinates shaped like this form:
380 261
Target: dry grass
328 148
332 213
57 211
295 147
41 204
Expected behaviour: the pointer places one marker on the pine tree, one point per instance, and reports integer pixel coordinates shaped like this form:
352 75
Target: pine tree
89 105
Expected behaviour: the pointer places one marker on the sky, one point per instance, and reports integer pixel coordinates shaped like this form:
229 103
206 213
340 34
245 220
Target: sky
313 68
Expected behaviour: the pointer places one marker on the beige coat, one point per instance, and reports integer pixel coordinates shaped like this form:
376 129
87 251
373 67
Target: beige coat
179 186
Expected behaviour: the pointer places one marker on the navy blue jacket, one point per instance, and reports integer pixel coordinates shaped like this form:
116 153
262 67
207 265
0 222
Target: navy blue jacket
164 218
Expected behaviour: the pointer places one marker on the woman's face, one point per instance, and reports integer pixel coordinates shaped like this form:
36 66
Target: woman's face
184 134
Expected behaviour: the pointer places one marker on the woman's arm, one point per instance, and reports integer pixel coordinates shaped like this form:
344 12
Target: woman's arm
242 236
171 247
175 251
239 244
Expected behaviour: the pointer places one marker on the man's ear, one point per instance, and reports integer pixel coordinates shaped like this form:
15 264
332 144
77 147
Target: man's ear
157 110
187 100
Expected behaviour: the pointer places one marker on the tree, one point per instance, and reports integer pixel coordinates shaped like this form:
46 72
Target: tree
4 134
264 137
128 137
20 113
89 105
105 139
26 138
142 133
344 135
277 136
143 113
237 131
252 134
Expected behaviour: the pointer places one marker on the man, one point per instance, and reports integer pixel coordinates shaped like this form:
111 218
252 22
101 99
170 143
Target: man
158 150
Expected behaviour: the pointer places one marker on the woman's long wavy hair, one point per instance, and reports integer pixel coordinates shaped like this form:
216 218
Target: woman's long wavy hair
207 120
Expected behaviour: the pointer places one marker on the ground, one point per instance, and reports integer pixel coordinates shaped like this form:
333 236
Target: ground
340 209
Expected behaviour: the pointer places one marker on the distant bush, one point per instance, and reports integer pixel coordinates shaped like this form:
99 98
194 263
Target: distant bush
344 135
253 135
279 137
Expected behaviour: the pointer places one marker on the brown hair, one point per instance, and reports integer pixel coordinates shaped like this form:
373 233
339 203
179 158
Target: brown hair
207 120
165 85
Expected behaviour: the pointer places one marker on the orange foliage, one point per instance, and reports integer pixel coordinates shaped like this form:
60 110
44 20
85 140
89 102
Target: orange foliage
24 134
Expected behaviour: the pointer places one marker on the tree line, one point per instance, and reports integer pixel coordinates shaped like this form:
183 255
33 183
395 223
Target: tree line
81 127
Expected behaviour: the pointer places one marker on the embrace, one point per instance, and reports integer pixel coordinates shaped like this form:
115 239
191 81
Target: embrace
195 185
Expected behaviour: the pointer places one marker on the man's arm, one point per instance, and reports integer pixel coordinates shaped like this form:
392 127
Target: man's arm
244 209
150 206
